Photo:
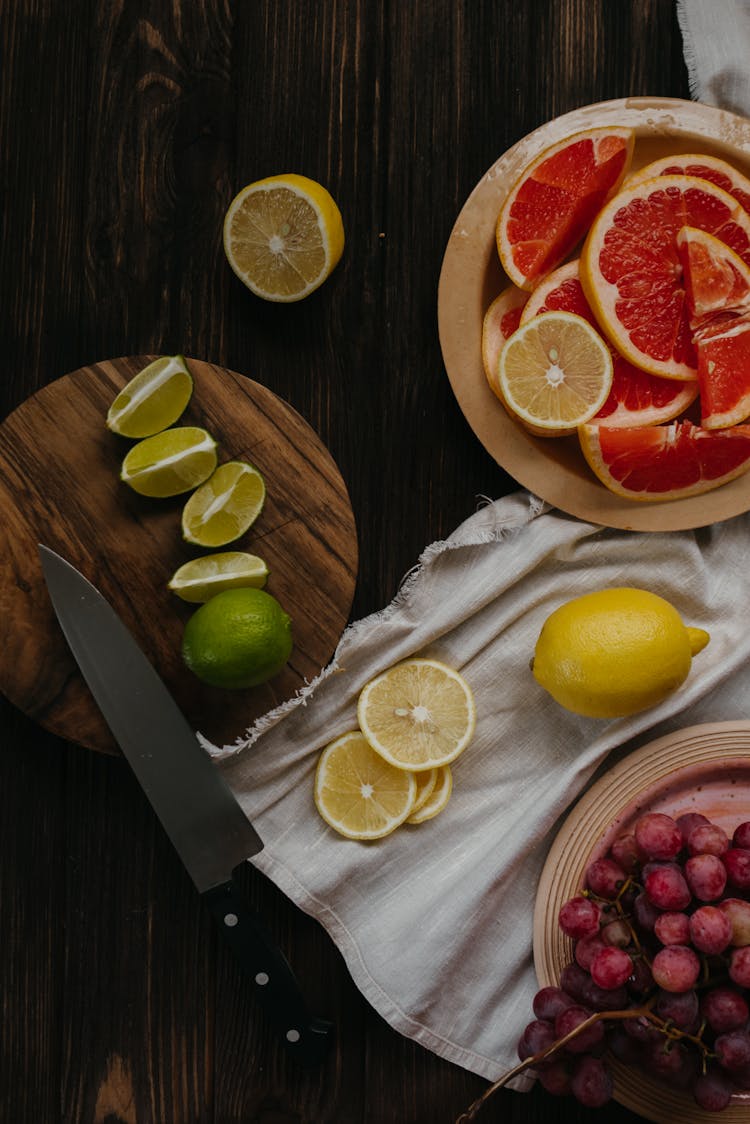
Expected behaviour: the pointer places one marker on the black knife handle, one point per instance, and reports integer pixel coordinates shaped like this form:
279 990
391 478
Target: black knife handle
304 1036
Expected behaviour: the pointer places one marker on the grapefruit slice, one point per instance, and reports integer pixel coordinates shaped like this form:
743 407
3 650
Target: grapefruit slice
636 397
555 373
500 322
724 373
716 279
705 167
551 206
631 271
665 462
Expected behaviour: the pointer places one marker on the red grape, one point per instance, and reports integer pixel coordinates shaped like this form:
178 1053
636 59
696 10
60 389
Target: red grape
688 821
737 862
579 917
555 1078
573 980
706 876
738 912
666 888
680 1008
713 1090
586 949
591 1083
549 1001
645 913
733 1049
605 878
672 928
724 1009
571 1018
741 837
676 968
710 930
658 836
537 1036
617 933
739 966
611 968
708 839
624 851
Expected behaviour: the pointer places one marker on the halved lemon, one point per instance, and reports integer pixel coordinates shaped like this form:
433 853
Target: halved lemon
418 714
359 794
283 236
174 461
200 579
153 399
438 798
555 373
225 506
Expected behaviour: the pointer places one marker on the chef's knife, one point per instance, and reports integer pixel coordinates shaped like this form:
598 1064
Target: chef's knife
197 809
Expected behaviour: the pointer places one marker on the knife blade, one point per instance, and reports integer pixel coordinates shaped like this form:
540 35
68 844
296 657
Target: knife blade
197 809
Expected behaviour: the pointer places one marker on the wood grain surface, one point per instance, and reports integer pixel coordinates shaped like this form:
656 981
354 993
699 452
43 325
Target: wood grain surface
126 127
60 486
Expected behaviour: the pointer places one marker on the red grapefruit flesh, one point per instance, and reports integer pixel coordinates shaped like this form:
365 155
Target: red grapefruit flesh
550 208
704 167
724 373
631 271
636 397
716 279
500 322
665 462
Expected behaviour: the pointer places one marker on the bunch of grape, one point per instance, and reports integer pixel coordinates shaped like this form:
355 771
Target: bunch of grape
660 974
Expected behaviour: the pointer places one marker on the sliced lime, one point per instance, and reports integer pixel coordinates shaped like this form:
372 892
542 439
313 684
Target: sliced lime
171 462
153 399
225 506
200 579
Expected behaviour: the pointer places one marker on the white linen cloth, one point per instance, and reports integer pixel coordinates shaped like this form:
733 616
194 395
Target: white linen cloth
435 921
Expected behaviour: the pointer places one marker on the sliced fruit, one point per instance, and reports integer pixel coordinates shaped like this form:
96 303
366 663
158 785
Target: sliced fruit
283 236
418 714
716 278
665 462
631 272
200 579
500 322
438 799
359 794
174 461
724 373
153 399
225 506
705 167
550 208
636 397
426 781
555 372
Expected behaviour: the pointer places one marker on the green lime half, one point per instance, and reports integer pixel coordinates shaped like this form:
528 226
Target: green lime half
171 462
225 506
200 579
238 639
153 399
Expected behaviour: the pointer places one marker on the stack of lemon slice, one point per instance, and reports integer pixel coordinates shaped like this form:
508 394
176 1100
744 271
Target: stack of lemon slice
415 719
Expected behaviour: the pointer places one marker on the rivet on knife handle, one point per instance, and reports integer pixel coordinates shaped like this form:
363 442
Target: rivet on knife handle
305 1037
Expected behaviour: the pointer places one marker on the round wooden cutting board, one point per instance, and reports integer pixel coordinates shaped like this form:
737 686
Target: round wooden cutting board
60 486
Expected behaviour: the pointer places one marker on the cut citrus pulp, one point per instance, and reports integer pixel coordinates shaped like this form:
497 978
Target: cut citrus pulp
202 578
153 399
631 272
716 279
438 798
702 166
665 462
550 208
225 506
283 236
358 793
500 322
418 714
555 372
426 781
174 461
636 397
724 372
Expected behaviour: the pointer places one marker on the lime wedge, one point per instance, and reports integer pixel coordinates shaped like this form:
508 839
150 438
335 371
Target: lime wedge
225 506
201 578
153 399
171 462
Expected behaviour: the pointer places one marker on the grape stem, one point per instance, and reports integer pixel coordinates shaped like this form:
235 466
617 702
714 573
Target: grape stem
599 1016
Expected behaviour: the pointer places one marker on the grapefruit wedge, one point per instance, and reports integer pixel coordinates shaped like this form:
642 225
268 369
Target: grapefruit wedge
550 208
665 462
636 397
724 372
500 322
705 167
716 279
631 271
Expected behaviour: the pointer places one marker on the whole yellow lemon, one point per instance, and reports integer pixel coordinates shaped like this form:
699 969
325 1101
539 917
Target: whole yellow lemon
614 652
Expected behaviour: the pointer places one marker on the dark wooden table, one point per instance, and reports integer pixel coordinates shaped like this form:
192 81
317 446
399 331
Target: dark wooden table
126 126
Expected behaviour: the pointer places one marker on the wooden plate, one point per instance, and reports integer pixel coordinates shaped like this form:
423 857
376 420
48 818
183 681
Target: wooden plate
59 485
699 769
471 277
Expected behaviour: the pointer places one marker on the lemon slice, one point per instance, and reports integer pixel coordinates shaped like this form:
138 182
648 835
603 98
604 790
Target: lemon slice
359 794
283 236
426 781
225 506
153 399
555 372
171 462
200 579
438 798
418 714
